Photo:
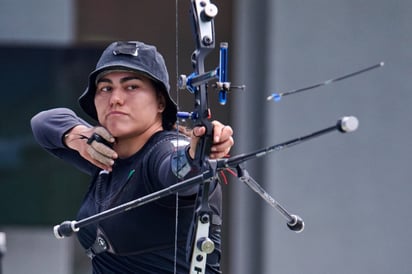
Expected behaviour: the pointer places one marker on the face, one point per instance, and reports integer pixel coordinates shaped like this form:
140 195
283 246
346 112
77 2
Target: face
127 104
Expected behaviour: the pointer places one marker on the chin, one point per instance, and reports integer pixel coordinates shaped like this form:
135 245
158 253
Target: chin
116 130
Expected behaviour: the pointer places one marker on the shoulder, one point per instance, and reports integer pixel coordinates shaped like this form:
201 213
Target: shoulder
162 146
170 139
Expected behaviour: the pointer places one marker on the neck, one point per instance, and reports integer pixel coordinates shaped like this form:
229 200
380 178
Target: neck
129 145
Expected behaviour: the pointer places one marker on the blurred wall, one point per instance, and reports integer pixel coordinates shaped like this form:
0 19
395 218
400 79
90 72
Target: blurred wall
352 190
37 22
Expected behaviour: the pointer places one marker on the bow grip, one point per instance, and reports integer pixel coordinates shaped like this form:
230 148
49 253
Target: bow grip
205 143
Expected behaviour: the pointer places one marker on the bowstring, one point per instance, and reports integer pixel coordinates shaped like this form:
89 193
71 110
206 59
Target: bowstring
177 129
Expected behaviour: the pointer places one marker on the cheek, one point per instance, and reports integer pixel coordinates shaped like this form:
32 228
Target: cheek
145 103
98 100
99 105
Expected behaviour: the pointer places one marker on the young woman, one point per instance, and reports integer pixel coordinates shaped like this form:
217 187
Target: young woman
133 151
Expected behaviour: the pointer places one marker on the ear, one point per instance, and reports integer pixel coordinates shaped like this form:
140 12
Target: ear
161 103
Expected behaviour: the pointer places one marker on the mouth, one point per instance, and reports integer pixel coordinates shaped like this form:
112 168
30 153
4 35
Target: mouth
116 113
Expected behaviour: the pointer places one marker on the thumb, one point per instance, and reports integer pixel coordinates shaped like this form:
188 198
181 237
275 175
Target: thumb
197 132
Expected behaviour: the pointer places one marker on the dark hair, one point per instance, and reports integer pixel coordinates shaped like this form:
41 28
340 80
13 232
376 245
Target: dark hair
168 119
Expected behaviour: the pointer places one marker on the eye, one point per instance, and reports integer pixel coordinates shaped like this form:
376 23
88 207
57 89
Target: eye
132 87
104 88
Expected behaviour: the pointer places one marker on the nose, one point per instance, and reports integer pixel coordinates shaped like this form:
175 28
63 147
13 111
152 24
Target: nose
117 97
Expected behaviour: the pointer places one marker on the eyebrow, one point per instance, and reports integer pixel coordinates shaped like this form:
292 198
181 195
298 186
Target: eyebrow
122 80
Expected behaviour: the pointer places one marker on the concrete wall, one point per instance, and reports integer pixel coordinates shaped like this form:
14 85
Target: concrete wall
352 190
34 250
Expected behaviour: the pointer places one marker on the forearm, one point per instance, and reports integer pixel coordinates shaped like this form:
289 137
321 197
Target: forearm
49 128
75 135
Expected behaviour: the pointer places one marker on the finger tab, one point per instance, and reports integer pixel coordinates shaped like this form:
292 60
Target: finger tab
104 134
99 139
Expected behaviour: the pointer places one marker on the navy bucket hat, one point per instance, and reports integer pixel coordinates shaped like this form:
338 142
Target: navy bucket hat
137 57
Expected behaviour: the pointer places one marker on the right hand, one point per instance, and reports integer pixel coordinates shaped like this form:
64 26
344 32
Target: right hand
97 153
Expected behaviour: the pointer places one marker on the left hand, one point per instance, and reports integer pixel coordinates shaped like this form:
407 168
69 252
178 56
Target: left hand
222 140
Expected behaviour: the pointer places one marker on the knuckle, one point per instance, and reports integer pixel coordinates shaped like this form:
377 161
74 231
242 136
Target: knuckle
100 130
103 133
99 147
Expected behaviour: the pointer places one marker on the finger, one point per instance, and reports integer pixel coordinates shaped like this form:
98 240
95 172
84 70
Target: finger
198 131
221 132
217 131
225 133
219 154
104 150
105 134
223 147
95 155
